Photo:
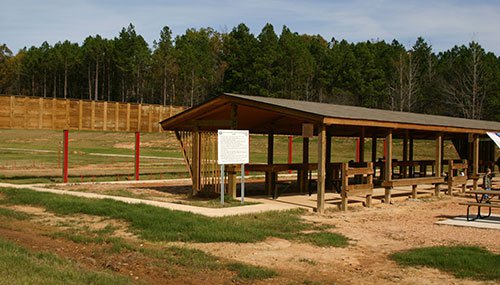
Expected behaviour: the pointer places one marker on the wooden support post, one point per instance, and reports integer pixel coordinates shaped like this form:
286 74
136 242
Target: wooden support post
321 168
411 171
231 175
304 185
370 182
388 165
414 191
65 155
361 157
475 162
450 177
345 183
374 149
196 162
329 172
290 151
137 154
438 160
405 155
234 117
442 156
270 158
231 181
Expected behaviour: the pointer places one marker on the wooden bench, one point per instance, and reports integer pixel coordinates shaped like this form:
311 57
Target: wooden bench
457 175
271 171
479 206
360 189
413 182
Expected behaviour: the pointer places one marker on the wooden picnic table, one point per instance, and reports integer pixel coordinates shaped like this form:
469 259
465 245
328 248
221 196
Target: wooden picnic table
485 199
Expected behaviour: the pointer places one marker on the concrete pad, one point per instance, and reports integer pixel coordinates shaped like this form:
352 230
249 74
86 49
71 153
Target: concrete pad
493 222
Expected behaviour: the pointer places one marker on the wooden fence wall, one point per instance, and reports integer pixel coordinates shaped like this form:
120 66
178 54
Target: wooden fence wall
21 112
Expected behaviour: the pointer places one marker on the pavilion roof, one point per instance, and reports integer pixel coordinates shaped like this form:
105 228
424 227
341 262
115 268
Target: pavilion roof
284 116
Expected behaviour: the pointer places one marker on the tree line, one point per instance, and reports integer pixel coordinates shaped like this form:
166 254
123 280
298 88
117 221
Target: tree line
201 63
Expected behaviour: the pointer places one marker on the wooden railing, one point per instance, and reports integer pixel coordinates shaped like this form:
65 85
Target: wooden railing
457 174
365 188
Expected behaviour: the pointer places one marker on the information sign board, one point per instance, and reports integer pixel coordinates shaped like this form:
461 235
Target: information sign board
233 147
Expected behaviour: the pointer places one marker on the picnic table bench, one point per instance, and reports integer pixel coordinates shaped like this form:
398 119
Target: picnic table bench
413 182
483 199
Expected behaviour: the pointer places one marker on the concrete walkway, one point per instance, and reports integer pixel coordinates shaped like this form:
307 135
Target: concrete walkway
492 222
209 212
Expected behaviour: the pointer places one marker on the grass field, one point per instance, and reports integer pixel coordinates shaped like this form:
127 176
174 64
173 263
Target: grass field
35 156
158 224
461 261
151 224
20 266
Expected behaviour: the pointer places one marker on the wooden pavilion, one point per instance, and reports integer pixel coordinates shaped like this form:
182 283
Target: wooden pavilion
196 130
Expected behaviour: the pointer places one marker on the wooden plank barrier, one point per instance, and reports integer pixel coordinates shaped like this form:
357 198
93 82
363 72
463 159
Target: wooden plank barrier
457 175
23 112
365 188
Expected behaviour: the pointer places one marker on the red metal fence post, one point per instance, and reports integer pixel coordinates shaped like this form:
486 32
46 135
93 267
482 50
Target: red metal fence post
137 153
358 156
65 155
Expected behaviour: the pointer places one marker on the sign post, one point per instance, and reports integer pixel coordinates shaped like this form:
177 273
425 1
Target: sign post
233 148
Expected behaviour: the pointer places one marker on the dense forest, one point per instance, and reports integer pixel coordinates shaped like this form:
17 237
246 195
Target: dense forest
192 67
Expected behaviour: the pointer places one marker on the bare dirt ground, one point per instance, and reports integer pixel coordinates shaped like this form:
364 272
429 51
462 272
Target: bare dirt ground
374 233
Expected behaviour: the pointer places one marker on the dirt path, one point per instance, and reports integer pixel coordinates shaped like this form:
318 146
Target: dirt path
374 234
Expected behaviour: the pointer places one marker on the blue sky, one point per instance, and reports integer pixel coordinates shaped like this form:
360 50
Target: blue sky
443 23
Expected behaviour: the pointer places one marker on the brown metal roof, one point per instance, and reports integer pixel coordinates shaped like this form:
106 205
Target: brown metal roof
368 114
296 112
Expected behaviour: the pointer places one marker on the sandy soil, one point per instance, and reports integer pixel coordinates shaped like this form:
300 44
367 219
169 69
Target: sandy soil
374 234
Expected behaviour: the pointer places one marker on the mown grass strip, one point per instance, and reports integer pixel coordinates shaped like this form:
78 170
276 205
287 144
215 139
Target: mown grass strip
14 214
251 272
20 266
159 224
461 261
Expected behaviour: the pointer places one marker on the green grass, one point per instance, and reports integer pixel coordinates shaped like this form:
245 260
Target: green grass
196 260
20 266
251 272
215 202
48 179
192 260
14 214
158 224
461 261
